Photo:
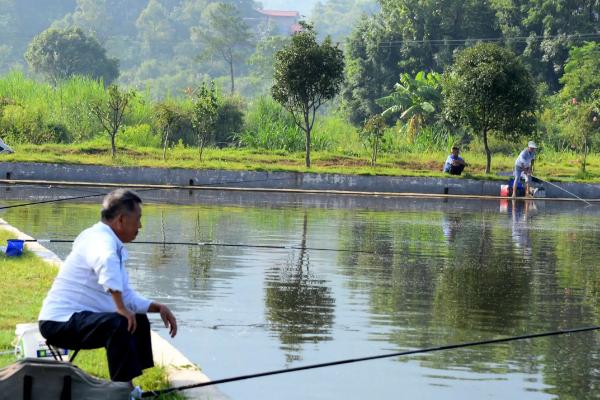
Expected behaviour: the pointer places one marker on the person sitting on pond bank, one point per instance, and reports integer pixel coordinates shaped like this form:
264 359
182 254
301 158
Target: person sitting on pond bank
524 165
454 163
91 304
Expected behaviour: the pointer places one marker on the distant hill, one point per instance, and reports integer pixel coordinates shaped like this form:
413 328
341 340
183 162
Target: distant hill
304 6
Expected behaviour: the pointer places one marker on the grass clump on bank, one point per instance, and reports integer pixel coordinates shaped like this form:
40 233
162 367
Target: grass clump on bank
26 280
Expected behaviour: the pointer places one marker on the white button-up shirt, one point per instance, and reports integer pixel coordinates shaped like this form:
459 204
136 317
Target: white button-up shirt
95 265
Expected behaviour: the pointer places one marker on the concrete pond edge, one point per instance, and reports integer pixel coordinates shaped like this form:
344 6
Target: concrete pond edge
180 370
217 179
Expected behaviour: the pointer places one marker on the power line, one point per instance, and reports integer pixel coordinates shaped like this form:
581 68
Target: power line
370 358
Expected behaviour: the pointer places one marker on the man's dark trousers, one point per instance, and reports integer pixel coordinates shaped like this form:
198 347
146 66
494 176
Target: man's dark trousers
128 354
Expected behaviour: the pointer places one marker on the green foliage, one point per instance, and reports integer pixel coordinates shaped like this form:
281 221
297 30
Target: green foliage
269 126
204 114
140 136
60 54
581 124
336 18
226 35
582 73
307 75
489 90
372 135
417 101
229 120
110 112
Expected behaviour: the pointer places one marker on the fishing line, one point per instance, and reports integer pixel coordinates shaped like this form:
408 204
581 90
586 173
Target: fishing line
235 245
563 189
156 393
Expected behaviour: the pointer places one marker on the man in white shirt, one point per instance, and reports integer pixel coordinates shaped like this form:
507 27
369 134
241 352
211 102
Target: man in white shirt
91 304
524 164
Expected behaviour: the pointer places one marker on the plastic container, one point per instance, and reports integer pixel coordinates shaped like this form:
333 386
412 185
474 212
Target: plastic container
14 247
30 342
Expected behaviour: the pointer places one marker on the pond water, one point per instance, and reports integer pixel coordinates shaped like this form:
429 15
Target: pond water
409 274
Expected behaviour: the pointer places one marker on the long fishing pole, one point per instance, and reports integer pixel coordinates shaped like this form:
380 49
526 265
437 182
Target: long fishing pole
369 358
563 189
138 190
238 245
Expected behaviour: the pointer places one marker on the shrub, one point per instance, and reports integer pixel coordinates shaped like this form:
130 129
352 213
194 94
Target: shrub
230 121
139 136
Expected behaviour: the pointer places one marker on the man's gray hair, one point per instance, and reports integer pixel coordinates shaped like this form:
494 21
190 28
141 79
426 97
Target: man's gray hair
117 202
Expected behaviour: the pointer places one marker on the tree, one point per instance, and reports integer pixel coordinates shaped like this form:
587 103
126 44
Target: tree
579 98
60 54
489 90
582 124
418 100
167 115
582 73
226 35
111 111
204 114
307 75
408 36
372 135
155 29
551 28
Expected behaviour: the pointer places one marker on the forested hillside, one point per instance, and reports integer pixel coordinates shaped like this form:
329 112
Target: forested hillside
395 82
160 43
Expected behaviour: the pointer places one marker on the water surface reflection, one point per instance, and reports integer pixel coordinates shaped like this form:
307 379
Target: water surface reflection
419 273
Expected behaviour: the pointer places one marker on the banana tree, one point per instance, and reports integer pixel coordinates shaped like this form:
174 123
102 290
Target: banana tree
416 101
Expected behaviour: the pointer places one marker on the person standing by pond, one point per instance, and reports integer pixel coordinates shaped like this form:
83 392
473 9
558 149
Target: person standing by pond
91 304
454 164
524 165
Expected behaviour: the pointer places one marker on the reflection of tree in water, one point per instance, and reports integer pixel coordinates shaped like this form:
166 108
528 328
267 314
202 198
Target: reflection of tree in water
399 278
200 258
299 306
483 291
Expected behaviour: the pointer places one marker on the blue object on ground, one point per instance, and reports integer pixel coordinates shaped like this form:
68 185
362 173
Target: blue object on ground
14 247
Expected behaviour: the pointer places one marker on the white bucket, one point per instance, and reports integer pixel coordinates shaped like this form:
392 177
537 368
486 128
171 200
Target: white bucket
30 342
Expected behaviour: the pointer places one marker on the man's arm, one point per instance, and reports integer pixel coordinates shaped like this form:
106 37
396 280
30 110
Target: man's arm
166 315
124 311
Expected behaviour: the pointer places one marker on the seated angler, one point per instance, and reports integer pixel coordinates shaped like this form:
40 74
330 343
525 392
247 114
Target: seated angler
91 304
454 163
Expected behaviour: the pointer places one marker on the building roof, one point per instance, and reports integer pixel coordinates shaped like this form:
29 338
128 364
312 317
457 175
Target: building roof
279 13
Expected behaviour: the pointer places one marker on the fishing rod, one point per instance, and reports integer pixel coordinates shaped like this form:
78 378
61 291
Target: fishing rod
237 245
156 393
534 178
138 190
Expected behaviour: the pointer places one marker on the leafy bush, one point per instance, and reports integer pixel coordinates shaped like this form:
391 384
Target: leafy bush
230 121
21 125
269 126
139 136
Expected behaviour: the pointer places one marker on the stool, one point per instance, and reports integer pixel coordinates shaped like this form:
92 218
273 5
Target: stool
56 353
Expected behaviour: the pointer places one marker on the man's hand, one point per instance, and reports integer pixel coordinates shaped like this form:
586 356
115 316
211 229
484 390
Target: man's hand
169 320
166 315
131 321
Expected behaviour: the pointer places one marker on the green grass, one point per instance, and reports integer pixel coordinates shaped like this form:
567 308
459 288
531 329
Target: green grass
24 284
550 166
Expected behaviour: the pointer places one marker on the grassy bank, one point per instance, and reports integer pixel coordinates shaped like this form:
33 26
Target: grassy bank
557 166
26 280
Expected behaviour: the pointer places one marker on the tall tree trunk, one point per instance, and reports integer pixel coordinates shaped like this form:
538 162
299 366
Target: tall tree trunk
165 145
112 144
231 75
308 129
585 152
488 153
